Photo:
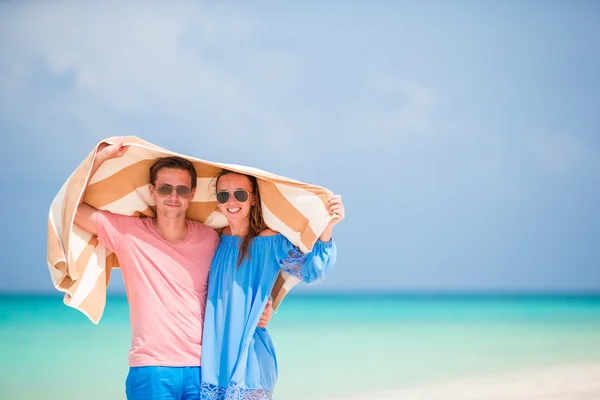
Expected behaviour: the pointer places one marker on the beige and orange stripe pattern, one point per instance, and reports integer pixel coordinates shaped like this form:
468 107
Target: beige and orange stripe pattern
80 266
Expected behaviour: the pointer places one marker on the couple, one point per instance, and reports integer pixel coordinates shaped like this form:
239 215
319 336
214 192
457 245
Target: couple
195 334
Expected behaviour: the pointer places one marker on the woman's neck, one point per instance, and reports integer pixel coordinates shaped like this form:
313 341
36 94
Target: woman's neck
238 228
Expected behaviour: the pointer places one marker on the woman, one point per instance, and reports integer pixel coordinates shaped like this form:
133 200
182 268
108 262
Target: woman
238 359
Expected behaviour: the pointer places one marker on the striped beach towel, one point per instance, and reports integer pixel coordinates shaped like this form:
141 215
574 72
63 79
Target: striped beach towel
80 266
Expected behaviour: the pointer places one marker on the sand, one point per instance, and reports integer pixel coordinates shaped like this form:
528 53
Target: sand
562 382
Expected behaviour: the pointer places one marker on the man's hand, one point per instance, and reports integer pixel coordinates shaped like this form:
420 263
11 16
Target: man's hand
108 151
86 216
266 315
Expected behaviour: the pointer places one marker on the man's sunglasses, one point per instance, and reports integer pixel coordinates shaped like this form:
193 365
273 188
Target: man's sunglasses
166 190
240 195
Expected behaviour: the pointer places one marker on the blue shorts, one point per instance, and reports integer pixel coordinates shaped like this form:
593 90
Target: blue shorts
172 383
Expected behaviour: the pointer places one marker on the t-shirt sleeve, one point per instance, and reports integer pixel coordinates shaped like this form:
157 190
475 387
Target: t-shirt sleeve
111 229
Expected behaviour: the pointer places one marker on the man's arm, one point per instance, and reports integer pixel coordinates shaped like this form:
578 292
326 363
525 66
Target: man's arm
266 315
86 216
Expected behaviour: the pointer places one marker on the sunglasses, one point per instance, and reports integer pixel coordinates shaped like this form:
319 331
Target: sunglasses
166 190
240 195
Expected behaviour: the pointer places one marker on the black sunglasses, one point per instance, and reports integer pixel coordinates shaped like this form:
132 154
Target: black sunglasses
240 195
166 190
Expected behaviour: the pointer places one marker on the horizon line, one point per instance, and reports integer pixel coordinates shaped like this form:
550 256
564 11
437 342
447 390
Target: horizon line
375 293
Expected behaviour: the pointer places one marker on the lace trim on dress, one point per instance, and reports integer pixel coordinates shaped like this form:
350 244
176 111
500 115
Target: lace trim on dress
293 263
234 392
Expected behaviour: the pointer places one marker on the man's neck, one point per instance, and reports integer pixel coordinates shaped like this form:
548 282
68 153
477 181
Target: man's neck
170 229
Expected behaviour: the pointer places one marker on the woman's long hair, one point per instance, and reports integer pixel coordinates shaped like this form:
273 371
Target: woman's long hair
257 222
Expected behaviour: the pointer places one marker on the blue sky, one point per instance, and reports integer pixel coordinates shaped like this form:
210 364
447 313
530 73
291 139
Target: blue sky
462 135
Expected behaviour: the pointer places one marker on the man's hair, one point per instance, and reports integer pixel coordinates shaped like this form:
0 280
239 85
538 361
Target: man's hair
173 163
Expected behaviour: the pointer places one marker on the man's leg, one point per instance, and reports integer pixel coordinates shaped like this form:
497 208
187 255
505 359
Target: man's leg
191 383
149 383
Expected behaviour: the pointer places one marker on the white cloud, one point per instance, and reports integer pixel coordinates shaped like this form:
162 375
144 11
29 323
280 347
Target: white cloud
144 61
194 72
397 109
555 152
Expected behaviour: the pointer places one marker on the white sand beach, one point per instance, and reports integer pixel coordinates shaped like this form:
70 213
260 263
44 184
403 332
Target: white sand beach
563 382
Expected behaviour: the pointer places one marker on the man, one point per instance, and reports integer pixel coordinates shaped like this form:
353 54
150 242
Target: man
165 263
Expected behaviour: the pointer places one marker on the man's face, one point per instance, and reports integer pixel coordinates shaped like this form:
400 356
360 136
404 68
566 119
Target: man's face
172 192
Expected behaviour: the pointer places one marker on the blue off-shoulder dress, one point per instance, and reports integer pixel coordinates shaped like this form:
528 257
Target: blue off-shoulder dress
238 358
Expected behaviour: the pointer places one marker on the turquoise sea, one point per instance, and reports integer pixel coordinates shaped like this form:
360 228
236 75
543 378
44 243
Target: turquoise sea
327 345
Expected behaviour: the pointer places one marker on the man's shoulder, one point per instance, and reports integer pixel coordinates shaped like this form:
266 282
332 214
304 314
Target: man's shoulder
122 218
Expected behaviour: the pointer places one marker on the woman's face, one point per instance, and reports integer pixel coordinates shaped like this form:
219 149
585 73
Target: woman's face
234 209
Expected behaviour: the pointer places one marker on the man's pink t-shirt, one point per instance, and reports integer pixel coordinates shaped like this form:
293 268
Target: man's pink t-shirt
166 286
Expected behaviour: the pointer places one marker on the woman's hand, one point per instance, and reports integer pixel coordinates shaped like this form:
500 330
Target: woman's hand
336 210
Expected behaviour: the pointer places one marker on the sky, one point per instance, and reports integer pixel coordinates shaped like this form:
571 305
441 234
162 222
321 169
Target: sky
463 136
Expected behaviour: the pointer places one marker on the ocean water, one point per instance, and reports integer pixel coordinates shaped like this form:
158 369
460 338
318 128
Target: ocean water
327 345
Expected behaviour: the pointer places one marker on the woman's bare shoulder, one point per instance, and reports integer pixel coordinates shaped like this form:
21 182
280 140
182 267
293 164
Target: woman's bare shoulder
267 232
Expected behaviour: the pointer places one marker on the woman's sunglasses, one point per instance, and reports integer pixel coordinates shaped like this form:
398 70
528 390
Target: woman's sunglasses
240 195
166 190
